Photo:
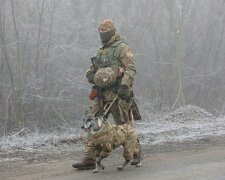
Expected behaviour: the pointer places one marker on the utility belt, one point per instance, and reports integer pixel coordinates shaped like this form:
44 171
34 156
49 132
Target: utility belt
107 95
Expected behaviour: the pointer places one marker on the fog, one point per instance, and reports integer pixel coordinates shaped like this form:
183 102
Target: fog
46 46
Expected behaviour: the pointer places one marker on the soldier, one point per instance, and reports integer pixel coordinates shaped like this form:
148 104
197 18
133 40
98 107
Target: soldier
112 74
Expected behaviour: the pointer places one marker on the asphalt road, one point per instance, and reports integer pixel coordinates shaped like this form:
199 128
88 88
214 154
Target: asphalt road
208 164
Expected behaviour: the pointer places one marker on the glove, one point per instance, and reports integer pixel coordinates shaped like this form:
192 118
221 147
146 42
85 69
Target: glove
90 76
123 91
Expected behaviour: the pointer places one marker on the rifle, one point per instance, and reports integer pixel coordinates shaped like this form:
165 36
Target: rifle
99 90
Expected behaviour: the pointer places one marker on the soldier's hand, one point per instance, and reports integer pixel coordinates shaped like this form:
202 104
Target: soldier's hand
90 76
123 91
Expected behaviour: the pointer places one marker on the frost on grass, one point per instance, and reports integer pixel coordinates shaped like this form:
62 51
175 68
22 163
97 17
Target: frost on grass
31 141
185 123
187 113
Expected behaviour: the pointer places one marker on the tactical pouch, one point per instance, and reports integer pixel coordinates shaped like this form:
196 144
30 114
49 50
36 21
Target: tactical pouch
135 110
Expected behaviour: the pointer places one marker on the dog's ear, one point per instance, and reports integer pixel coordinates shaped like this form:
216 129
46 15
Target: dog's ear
100 120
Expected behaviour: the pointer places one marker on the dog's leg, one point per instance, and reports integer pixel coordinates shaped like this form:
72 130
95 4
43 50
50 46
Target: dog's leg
120 168
98 165
137 156
140 158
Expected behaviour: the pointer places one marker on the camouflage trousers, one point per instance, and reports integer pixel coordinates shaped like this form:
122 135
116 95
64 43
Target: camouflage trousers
89 151
120 109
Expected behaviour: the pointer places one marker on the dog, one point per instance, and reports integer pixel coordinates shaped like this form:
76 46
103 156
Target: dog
106 137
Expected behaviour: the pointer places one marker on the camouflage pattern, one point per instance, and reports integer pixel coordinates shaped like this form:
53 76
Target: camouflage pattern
111 137
106 25
105 77
120 110
89 151
117 55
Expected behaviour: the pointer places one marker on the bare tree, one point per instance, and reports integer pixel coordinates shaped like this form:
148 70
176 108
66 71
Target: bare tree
46 45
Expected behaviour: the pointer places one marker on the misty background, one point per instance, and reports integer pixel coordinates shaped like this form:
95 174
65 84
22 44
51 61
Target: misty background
46 46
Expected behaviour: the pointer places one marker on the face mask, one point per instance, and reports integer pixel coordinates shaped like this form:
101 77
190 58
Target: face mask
106 36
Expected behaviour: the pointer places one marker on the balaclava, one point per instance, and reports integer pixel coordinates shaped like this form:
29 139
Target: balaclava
106 30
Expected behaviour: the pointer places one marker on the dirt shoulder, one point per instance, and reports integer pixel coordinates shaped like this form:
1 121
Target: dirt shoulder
185 160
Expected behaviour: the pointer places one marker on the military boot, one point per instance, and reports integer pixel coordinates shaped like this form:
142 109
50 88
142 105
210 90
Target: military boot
85 164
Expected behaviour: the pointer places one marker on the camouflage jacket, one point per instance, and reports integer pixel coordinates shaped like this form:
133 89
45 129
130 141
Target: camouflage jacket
112 136
116 53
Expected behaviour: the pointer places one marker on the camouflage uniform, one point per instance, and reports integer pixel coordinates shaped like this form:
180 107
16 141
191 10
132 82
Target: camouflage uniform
116 54
111 137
